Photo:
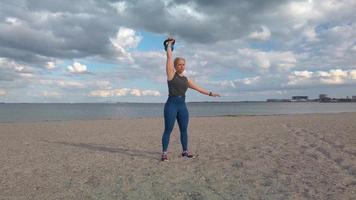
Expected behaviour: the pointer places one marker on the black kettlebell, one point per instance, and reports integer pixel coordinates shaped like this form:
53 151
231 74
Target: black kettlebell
165 44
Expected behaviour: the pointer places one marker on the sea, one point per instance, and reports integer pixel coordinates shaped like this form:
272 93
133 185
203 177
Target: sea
30 112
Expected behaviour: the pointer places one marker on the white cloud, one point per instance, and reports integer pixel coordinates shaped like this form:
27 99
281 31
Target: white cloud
186 12
204 62
120 7
77 68
2 92
267 59
303 74
302 8
12 21
251 80
151 93
50 94
63 83
27 75
50 65
135 92
353 74
19 68
11 64
337 76
331 77
70 84
227 84
353 48
103 84
125 39
124 92
263 34
304 12
310 34
284 60
190 73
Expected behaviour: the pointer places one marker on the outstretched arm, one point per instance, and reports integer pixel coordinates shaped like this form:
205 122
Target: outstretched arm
194 86
169 64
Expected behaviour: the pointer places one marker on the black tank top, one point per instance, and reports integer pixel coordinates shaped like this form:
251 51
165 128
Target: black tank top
178 85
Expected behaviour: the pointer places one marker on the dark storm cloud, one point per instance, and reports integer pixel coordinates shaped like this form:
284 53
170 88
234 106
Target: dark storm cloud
219 20
42 30
36 31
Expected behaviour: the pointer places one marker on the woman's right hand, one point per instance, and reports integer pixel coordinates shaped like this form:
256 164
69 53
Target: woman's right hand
170 41
169 44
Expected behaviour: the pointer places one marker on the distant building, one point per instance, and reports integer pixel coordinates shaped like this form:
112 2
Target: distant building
344 100
278 100
353 97
299 98
324 98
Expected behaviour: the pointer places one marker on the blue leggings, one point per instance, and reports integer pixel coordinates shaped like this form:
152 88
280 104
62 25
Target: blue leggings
175 108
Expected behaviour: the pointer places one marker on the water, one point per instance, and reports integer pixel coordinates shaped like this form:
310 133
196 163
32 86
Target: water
48 112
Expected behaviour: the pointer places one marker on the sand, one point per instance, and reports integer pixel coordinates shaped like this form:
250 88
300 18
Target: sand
304 156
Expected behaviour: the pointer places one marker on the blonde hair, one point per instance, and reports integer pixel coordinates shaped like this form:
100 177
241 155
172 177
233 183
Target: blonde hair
178 59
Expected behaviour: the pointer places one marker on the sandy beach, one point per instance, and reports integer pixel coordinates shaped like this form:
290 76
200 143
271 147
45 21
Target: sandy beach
304 156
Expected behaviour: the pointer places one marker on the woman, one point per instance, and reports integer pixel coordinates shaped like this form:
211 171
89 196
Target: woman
175 107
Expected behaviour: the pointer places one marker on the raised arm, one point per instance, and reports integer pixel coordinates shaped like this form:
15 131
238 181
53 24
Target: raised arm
169 64
194 86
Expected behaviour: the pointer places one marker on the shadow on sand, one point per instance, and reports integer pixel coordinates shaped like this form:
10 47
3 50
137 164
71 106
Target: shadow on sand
100 147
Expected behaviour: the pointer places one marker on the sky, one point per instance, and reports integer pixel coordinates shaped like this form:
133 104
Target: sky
111 51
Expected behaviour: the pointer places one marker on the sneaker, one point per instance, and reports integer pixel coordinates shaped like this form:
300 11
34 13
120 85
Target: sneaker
186 155
164 157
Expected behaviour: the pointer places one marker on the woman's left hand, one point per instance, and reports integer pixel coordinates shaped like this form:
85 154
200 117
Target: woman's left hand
215 95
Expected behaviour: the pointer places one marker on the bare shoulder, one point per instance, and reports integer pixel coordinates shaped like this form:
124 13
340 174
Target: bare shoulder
170 76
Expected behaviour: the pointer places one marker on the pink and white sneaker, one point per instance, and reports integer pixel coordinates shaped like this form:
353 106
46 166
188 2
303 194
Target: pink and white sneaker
186 155
164 157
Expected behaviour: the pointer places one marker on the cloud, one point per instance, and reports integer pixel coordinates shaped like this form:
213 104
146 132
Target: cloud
353 74
331 77
50 94
252 58
50 65
237 83
2 92
185 12
120 7
68 84
12 21
263 34
125 39
40 31
13 71
310 34
47 94
77 68
103 84
68 30
124 92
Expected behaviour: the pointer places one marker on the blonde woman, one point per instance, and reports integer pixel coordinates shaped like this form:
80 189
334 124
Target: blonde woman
175 107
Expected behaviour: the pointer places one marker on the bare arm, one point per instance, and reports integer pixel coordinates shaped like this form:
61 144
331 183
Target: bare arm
169 64
194 86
